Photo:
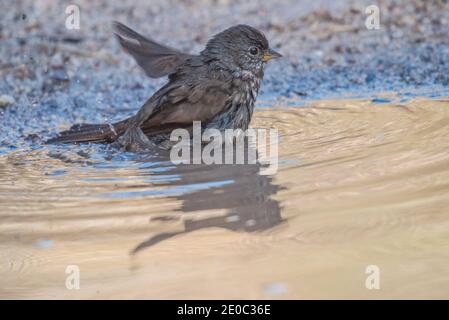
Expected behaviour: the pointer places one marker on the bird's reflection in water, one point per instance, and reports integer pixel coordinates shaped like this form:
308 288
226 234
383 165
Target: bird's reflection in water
240 189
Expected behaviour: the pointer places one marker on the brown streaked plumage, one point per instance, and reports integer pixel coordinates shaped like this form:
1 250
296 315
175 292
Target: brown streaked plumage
217 87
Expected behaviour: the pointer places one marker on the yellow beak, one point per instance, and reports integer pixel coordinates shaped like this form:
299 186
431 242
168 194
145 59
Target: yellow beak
271 54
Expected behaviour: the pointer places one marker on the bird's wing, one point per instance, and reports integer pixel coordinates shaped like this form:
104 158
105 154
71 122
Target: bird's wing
178 105
155 59
173 106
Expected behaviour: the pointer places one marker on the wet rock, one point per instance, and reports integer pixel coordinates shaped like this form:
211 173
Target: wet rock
58 75
33 138
370 77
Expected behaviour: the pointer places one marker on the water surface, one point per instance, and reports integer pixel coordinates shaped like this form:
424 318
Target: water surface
361 182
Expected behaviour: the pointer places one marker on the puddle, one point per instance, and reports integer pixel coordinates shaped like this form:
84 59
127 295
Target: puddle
359 183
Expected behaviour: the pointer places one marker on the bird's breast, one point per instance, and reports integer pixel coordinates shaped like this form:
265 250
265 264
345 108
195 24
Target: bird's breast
239 109
247 89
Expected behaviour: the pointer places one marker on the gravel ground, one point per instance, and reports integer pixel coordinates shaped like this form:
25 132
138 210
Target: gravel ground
52 77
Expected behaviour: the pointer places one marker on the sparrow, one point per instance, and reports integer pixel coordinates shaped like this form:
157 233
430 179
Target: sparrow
218 87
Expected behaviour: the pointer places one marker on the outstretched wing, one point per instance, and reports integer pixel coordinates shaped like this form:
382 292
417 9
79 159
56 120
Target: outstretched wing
155 59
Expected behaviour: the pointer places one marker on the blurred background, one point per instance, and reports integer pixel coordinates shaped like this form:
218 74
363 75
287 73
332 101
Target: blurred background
327 46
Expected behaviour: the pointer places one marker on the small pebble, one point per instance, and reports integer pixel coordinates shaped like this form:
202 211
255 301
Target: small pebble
6 100
44 244
250 223
275 289
233 218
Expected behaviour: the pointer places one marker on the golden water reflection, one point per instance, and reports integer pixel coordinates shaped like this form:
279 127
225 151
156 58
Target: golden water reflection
358 184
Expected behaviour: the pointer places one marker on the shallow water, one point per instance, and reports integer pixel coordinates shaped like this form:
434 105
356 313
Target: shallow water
359 183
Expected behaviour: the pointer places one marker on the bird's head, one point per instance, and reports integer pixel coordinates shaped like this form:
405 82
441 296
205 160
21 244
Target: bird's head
241 49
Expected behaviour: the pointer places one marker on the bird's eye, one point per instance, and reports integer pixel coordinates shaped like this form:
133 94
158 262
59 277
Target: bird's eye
254 51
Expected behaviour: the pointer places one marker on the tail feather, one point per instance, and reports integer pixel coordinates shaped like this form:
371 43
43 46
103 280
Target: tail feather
91 133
